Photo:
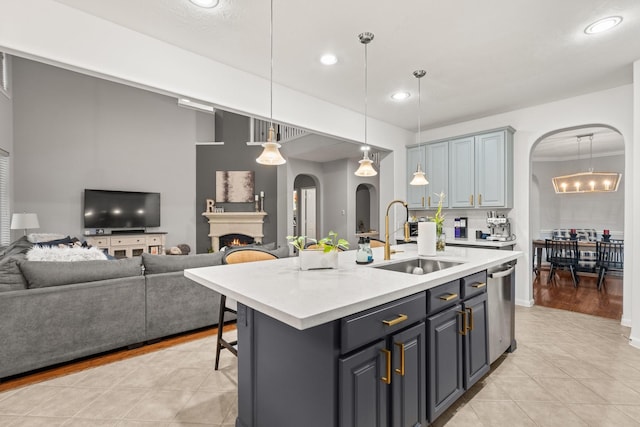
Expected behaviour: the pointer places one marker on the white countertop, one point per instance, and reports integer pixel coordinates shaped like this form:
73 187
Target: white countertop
472 241
479 242
304 299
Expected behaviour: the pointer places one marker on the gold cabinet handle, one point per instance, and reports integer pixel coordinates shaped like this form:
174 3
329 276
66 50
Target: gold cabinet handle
470 327
401 370
401 318
429 201
449 297
387 354
471 200
479 285
463 330
423 201
479 199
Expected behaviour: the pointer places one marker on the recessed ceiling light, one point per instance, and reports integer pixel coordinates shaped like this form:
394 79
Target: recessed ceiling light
205 3
603 24
328 59
400 96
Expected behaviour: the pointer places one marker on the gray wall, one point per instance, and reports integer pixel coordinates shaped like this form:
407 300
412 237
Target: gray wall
587 210
335 199
235 155
73 132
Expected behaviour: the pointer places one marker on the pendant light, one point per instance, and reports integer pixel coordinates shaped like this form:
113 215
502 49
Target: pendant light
366 164
587 182
418 176
271 155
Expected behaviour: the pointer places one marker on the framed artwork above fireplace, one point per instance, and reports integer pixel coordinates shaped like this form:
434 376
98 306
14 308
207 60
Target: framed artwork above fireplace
235 186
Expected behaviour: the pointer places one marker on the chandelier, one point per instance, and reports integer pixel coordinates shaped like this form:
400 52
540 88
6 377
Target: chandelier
587 182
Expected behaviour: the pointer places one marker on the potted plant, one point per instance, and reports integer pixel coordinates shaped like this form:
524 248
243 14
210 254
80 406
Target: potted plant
320 254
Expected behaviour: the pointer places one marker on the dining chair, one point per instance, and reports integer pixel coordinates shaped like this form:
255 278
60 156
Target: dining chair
610 256
228 305
562 254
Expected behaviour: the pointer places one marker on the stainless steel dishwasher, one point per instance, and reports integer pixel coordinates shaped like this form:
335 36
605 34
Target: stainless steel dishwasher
501 296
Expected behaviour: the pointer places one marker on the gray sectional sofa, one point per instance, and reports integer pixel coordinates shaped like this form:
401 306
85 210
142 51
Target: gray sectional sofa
54 312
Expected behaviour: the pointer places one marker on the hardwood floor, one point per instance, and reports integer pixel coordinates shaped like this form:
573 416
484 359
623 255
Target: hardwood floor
561 293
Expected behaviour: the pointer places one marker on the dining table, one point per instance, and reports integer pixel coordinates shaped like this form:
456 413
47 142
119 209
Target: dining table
539 245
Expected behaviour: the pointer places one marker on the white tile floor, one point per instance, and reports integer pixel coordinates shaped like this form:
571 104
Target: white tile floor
570 369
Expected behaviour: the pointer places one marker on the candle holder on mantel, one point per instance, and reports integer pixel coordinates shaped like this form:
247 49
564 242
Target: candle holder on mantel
261 202
257 204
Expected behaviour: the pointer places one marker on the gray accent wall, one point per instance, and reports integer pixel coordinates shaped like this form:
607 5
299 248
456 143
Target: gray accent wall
234 155
72 132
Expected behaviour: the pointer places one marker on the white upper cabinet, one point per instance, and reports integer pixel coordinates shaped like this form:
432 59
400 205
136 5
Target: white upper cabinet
474 171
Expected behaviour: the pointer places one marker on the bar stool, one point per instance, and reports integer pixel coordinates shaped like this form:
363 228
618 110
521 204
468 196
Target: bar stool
228 305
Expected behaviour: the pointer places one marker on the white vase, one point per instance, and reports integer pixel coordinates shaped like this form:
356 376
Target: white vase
313 259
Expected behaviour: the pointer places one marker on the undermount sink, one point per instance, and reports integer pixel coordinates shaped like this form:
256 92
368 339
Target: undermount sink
419 266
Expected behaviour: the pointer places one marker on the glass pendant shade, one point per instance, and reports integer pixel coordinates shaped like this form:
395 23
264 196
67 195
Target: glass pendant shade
366 167
419 178
587 182
271 155
366 164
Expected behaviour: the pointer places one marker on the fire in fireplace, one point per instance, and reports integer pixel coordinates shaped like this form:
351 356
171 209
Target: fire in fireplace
234 240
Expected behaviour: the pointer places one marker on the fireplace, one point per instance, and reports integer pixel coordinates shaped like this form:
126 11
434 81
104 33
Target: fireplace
233 240
224 223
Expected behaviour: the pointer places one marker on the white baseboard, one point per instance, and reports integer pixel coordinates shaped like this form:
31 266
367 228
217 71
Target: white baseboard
625 322
635 342
524 302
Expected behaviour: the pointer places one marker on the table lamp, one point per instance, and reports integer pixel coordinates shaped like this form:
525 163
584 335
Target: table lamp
24 221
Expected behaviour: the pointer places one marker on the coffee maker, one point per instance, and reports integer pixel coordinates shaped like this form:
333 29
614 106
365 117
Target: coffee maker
499 226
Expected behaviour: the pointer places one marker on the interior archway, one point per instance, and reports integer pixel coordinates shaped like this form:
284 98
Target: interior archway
306 206
566 151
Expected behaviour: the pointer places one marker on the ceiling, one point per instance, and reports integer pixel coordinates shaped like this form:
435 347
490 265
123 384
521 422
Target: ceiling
482 57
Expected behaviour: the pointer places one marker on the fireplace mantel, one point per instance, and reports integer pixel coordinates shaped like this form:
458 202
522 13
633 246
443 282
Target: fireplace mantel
221 223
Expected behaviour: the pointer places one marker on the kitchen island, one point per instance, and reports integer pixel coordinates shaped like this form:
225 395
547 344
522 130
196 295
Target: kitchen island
316 347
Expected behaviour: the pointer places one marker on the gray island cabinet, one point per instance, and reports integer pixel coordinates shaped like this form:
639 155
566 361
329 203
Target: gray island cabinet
356 346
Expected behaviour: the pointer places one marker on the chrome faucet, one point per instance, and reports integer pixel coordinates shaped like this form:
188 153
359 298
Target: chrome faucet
407 238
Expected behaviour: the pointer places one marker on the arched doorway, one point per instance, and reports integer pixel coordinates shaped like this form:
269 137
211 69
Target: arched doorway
306 206
366 216
562 152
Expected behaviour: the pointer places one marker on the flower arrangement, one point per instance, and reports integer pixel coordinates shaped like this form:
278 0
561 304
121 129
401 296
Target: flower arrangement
439 220
329 243
439 216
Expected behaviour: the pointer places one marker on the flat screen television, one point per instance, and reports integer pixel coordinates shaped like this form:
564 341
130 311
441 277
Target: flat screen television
121 209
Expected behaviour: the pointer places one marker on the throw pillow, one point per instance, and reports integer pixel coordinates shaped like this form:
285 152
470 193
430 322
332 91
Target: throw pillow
42 274
154 264
54 253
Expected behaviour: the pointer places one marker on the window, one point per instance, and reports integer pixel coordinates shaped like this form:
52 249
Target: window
5 217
